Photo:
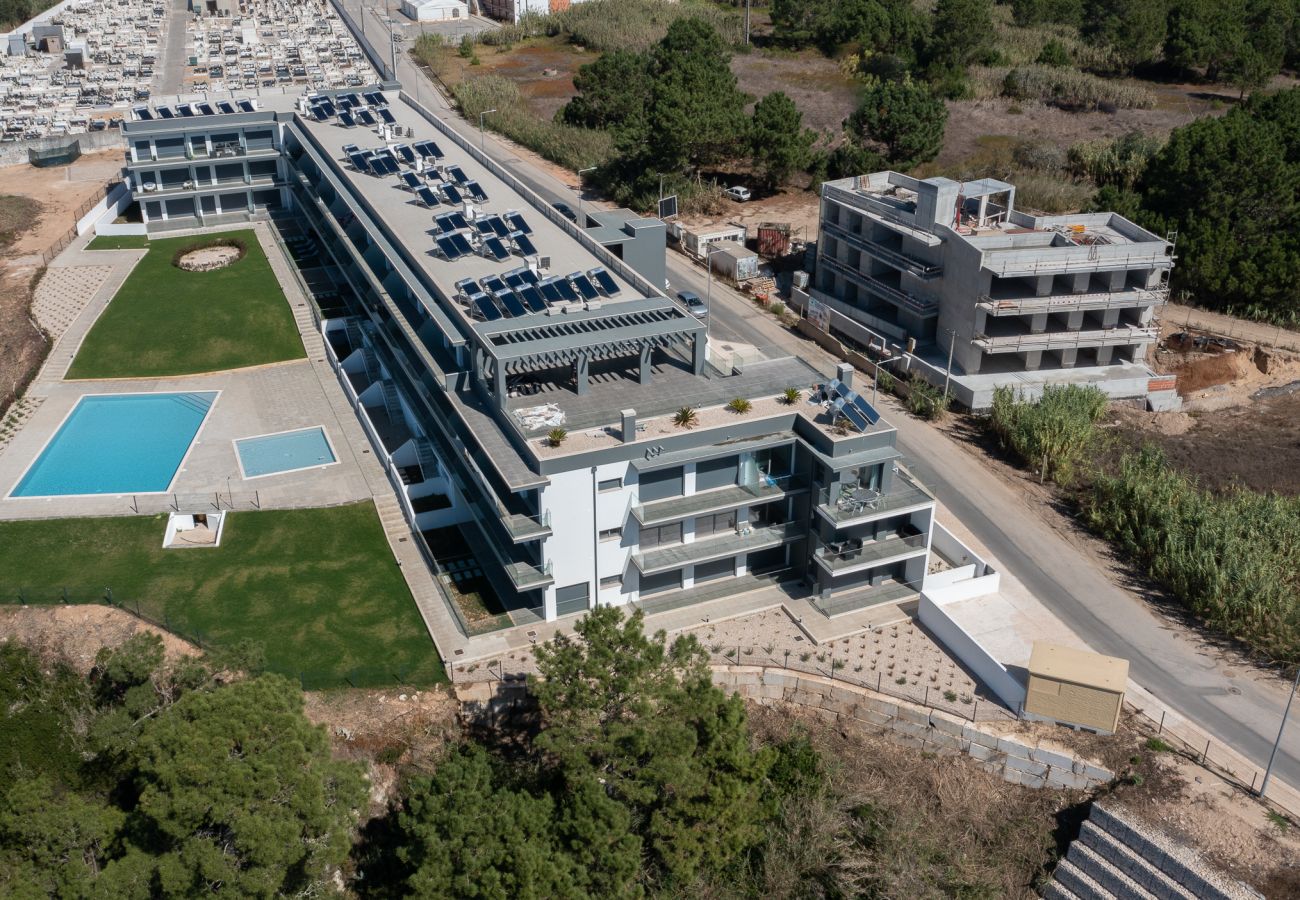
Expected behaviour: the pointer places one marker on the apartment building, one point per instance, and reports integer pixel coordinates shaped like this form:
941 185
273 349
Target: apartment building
467 320
1012 298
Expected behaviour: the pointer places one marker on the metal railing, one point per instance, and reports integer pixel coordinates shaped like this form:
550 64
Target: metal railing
1052 302
762 489
1063 260
845 556
922 305
896 258
841 508
847 602
1064 340
718 546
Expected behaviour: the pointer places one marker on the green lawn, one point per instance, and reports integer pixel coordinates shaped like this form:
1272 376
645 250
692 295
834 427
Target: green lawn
318 588
119 242
166 321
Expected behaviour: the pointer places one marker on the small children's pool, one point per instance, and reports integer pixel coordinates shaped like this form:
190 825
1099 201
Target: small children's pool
118 444
287 451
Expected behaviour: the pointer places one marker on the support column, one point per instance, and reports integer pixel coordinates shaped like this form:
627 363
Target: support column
1038 323
499 384
1074 320
1109 318
580 370
698 347
1080 282
1042 285
1104 354
647 353
1068 357
1033 359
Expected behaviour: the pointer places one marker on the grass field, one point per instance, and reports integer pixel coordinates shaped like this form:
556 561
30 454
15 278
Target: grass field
119 242
318 589
166 321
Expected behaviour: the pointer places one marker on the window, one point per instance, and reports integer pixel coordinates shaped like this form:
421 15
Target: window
611 581
610 484
718 523
611 534
656 536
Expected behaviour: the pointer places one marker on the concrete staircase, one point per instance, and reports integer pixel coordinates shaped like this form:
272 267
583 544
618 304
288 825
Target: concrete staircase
1115 858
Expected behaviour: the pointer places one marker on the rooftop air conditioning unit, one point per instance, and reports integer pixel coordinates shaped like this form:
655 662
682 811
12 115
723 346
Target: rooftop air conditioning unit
801 279
543 262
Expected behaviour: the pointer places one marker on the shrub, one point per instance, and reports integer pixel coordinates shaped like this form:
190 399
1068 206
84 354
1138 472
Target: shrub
740 405
604 25
885 380
686 417
566 145
777 308
925 400
1119 162
790 396
1052 434
466 47
1070 87
1054 54
555 437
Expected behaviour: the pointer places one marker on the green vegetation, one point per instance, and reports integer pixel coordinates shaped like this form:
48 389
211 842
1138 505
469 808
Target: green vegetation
686 417
901 121
318 588
166 321
181 786
1232 558
925 400
119 242
1052 434
15 12
17 215
637 25
739 405
778 142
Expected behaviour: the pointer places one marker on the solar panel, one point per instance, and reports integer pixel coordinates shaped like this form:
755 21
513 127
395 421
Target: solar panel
142 113
386 115
346 120
374 98
427 197
493 283
550 290
846 399
365 118
497 249
868 411
459 219
514 278
468 286
851 413
483 226
448 247
412 181
475 191
328 108
523 244
458 174
166 113
462 244
225 106
423 148
511 303
444 223
405 153
530 276
608 286
566 289
351 98
246 106
486 307
437 151
349 149
532 297
358 161
452 195
206 110
517 222
584 286
185 110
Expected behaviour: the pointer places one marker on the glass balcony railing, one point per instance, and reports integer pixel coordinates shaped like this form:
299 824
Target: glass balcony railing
527 577
840 558
525 527
719 546
763 490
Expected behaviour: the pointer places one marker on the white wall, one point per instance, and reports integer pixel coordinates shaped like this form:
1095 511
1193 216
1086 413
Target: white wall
972 654
573 549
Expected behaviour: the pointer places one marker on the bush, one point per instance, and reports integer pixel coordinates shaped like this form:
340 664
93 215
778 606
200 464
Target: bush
1231 558
885 380
604 25
555 437
740 405
1052 434
1054 54
1070 87
566 145
1119 162
925 400
686 417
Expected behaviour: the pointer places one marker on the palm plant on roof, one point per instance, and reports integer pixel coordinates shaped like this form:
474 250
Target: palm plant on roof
686 417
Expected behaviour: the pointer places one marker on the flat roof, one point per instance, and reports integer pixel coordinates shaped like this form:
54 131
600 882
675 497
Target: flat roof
1061 663
413 222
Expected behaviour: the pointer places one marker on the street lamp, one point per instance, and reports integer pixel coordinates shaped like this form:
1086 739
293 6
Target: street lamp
875 374
708 302
582 223
947 373
482 141
1273 754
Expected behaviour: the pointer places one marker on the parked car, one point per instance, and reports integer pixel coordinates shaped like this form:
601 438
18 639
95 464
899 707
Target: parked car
738 193
694 304
567 211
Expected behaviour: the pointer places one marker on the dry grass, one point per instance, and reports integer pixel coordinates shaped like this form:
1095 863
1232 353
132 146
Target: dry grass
17 214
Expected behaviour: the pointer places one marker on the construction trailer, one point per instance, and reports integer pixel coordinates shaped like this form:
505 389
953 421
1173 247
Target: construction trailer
696 240
733 260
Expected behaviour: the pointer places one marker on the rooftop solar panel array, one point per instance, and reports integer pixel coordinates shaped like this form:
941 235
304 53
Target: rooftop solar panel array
606 284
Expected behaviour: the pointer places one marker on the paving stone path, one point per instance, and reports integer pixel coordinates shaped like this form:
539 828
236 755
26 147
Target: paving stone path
63 293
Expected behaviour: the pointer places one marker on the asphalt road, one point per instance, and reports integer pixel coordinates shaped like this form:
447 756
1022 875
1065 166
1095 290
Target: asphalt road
1239 710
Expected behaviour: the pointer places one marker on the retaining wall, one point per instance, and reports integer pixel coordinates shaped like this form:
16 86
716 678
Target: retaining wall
15 153
1015 759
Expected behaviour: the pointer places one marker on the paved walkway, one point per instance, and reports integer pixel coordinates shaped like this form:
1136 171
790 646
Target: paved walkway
64 292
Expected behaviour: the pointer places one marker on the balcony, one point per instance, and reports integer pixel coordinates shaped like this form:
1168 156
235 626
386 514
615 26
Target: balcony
1068 260
838 559
732 543
925 306
898 260
889 591
906 493
1066 340
1061 303
527 577
526 528
765 490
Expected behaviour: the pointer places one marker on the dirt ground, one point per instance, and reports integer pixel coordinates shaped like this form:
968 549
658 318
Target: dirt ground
59 191
75 634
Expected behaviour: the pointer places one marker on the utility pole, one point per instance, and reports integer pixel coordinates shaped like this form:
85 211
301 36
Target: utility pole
1263 786
708 301
947 373
582 222
482 140
747 2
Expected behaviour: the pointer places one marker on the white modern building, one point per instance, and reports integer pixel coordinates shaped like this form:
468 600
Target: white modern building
1014 298
467 320
435 10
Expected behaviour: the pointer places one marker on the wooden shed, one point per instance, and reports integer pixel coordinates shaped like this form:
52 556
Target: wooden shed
1075 687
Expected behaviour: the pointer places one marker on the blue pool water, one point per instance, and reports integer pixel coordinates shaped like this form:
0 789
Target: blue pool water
118 444
273 453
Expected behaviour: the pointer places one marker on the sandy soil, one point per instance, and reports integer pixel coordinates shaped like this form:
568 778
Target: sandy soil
206 259
75 634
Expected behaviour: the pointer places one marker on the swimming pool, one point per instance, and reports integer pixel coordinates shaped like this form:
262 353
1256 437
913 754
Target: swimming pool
118 444
288 451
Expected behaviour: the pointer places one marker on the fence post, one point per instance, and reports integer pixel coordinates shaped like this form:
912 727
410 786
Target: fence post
974 711
878 675
832 667
1206 754
787 659
926 701
1161 729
